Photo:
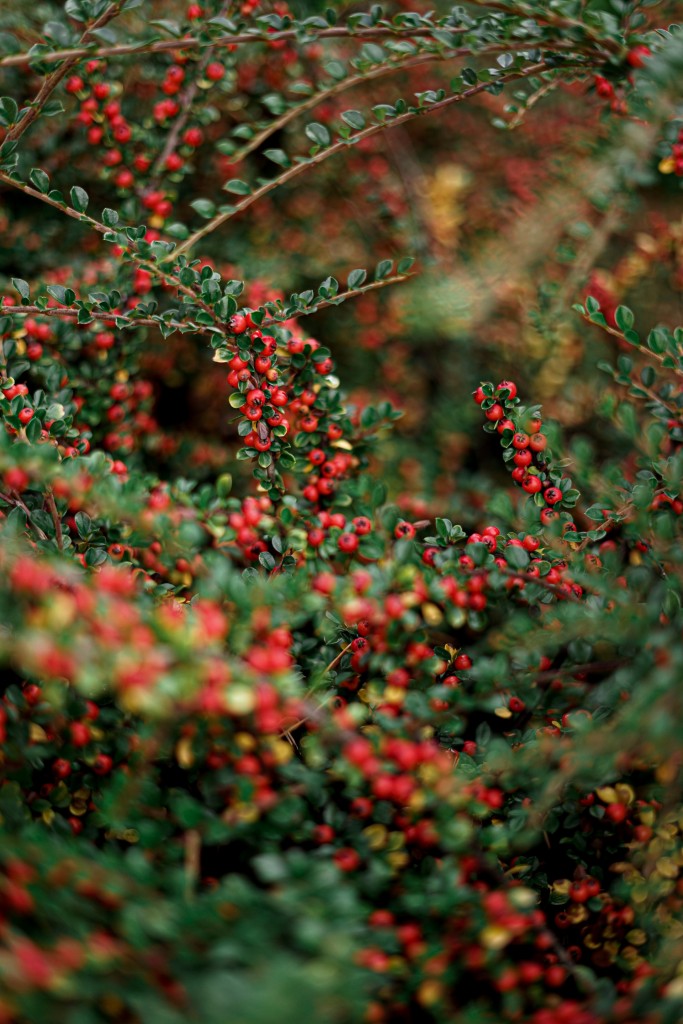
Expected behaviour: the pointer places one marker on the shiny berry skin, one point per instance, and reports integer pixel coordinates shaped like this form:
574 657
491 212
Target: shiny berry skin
538 442
523 458
348 543
25 416
404 531
496 412
478 395
255 397
362 526
316 537
462 661
532 484
511 386
238 323
215 71
520 441
516 705
552 495
74 84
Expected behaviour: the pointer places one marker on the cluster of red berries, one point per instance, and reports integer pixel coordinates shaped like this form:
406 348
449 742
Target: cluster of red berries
612 91
530 465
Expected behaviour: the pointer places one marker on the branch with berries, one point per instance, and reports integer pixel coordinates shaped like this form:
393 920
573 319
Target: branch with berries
525 450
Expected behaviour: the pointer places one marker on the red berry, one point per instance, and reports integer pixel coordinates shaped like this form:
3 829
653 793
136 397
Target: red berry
496 412
532 484
174 162
238 323
552 495
638 55
215 71
404 531
603 88
193 137
80 734
348 542
25 415
103 764
511 386
616 813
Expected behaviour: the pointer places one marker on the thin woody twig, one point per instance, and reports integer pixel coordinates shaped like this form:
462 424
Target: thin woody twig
185 101
243 38
343 144
52 508
52 81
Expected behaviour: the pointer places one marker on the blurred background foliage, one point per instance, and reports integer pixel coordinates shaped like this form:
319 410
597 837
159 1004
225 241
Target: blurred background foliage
512 214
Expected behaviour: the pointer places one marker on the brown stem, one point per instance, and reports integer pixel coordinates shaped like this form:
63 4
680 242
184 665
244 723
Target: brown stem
342 297
52 81
50 502
193 847
72 314
343 144
14 499
397 64
141 261
338 32
640 348
185 101
192 42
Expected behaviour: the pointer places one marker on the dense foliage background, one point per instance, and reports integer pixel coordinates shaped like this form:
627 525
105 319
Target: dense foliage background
318 700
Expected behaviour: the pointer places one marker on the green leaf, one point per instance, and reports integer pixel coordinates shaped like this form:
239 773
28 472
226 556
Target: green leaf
356 279
204 207
278 156
405 264
266 560
40 179
83 524
22 287
317 133
383 269
79 198
624 318
517 557
238 187
354 119
110 218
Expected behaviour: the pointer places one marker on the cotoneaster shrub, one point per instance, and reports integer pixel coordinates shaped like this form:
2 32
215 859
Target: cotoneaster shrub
277 740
